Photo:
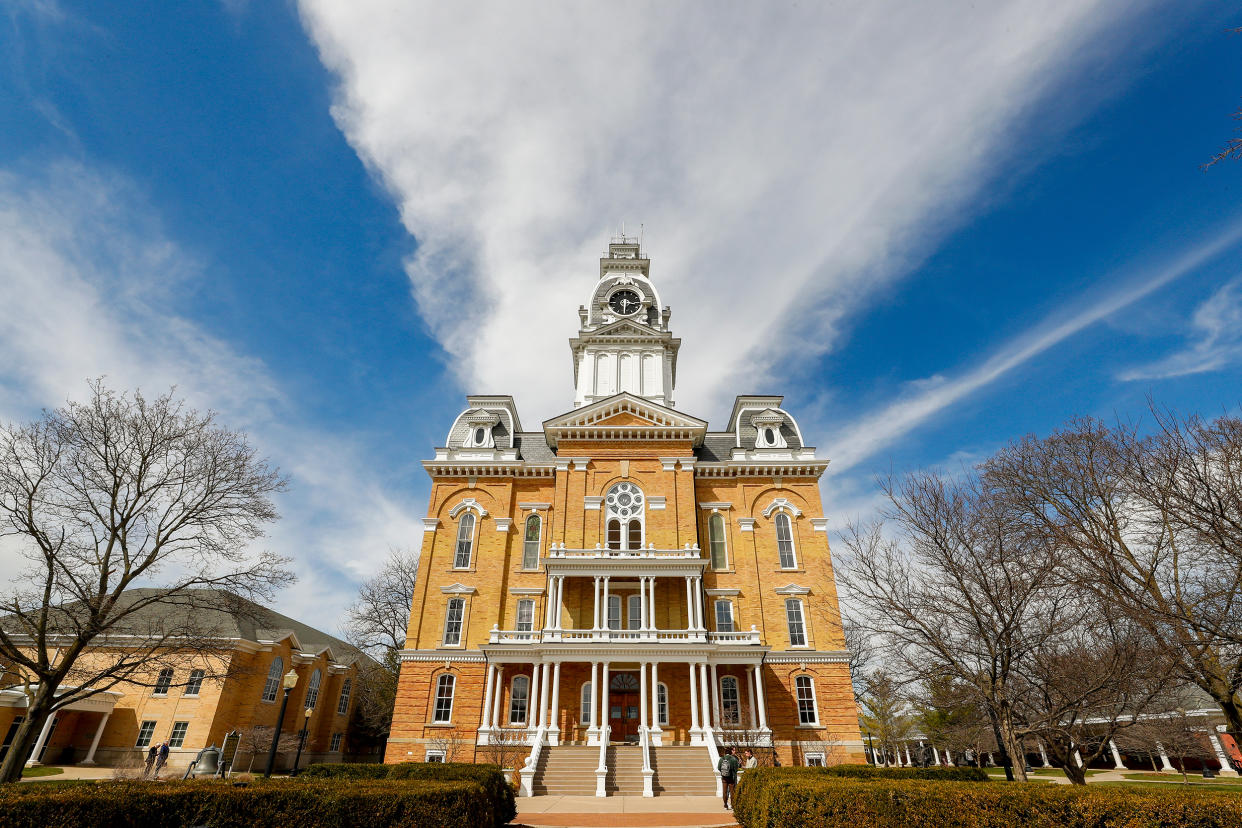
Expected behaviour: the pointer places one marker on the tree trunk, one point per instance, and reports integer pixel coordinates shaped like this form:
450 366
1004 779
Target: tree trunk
1232 711
1010 746
1076 774
27 734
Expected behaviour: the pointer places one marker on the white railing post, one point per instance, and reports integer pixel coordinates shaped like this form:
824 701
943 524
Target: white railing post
527 773
601 772
554 717
657 732
593 730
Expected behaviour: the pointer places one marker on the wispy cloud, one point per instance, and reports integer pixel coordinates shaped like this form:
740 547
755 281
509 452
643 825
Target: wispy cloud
787 161
90 288
1216 340
878 430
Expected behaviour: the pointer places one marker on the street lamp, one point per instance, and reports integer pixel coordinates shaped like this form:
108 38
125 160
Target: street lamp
289 682
306 714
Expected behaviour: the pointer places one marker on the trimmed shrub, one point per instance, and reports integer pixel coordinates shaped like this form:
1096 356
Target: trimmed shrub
342 771
278 804
828 801
932 774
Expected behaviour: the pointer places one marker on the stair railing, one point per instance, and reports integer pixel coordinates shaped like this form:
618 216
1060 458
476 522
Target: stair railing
645 741
601 772
714 755
527 773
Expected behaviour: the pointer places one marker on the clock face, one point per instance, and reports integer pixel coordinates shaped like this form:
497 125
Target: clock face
625 302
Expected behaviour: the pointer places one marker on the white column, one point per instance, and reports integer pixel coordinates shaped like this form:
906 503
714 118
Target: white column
532 703
754 704
1226 769
593 729
38 745
696 732
543 694
642 695
1117 763
698 604
1165 764
500 686
596 625
909 763
90 754
642 603
1078 758
715 697
1043 754
554 717
656 730
606 623
763 705
689 604
602 695
651 603
487 698
704 698
936 755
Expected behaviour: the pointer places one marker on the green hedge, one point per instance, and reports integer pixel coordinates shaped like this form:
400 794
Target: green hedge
825 801
489 777
932 774
277 804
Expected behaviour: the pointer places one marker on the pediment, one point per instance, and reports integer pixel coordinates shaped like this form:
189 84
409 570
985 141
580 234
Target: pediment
629 328
625 410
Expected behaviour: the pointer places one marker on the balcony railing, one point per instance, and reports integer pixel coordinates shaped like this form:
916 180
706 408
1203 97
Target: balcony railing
600 552
741 637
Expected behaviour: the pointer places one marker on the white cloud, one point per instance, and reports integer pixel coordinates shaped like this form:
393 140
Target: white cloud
877 430
1216 339
89 287
786 161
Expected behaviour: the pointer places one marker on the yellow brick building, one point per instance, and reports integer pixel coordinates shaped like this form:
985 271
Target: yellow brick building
623 589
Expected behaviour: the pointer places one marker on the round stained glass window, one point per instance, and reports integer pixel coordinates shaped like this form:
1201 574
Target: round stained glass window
625 500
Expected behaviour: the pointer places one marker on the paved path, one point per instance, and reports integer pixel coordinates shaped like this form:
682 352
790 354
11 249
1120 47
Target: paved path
610 811
73 772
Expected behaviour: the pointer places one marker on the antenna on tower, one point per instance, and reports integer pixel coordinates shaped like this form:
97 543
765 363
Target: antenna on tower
640 238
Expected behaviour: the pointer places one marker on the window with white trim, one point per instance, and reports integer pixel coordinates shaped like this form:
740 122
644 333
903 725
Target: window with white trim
443 713
724 615
530 546
335 745
624 514
453 617
662 703
730 703
815 760
312 692
519 700
614 612
804 688
465 541
145 731
797 627
342 702
435 756
525 614
716 542
274 673
634 612
177 738
195 684
584 707
163 682
784 541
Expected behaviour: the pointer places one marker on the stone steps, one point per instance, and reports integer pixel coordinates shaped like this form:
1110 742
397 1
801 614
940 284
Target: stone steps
569 770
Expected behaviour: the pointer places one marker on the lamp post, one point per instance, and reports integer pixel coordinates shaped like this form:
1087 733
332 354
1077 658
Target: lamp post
289 682
306 714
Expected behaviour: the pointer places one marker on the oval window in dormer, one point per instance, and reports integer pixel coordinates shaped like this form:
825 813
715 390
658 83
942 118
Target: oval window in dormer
479 434
769 436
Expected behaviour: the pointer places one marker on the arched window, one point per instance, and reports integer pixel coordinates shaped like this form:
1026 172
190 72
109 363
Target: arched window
530 547
272 686
784 541
585 704
625 513
662 703
312 692
716 541
465 541
730 708
519 700
444 699
163 682
342 704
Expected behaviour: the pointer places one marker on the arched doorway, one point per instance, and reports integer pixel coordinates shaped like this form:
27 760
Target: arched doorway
623 707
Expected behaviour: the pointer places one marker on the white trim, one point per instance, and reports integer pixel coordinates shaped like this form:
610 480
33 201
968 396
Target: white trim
745 524
819 524
430 523
526 590
458 589
782 503
435 699
813 657
509 712
592 503
535 507
716 592
715 506
724 539
668 463
657 502
468 503
814 701
503 524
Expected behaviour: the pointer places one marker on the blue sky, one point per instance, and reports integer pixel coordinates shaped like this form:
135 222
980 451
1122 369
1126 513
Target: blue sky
933 230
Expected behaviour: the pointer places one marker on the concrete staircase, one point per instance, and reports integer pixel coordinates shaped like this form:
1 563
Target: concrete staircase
625 771
681 771
567 770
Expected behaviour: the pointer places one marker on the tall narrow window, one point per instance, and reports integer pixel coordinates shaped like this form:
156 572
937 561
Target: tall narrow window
724 616
342 703
272 686
614 534
662 703
452 621
805 689
614 612
530 547
625 509
195 684
177 737
335 745
163 682
635 540
797 629
312 692
519 700
584 708
716 541
526 615
444 699
145 731
784 541
635 612
465 541
730 708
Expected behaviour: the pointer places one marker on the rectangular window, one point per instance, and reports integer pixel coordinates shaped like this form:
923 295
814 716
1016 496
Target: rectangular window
730 704
526 615
145 731
805 688
662 704
452 621
635 610
815 760
614 612
435 756
177 738
335 745
163 682
444 699
716 542
195 684
724 616
519 699
797 630
784 541
530 546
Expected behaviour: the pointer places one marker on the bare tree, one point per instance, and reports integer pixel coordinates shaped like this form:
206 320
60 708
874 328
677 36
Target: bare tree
1233 147
257 741
1175 734
106 496
883 715
451 744
506 748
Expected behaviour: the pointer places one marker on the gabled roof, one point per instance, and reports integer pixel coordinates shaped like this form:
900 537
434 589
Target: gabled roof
624 416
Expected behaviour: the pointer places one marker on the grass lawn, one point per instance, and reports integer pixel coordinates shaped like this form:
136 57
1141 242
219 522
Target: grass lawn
30 773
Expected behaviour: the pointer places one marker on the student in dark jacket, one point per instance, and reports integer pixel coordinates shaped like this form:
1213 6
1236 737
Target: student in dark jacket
161 759
152 754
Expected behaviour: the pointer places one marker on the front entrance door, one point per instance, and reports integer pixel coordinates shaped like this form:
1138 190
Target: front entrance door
623 707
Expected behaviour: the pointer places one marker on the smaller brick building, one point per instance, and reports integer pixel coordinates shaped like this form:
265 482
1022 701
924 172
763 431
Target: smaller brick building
194 704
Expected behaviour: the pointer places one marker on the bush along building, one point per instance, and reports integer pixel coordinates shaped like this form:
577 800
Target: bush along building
606 601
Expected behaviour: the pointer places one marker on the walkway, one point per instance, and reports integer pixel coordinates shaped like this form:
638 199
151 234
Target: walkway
609 811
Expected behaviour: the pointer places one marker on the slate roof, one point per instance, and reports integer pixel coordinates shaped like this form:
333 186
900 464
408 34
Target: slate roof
533 446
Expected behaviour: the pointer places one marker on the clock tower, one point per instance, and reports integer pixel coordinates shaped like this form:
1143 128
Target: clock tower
623 341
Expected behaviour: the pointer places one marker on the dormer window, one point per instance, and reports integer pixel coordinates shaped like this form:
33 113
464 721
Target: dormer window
767 425
479 426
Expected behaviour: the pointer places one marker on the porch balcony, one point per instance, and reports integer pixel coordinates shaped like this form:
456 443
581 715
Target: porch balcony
729 639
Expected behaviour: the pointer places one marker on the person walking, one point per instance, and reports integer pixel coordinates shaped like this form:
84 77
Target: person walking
727 767
151 756
161 759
